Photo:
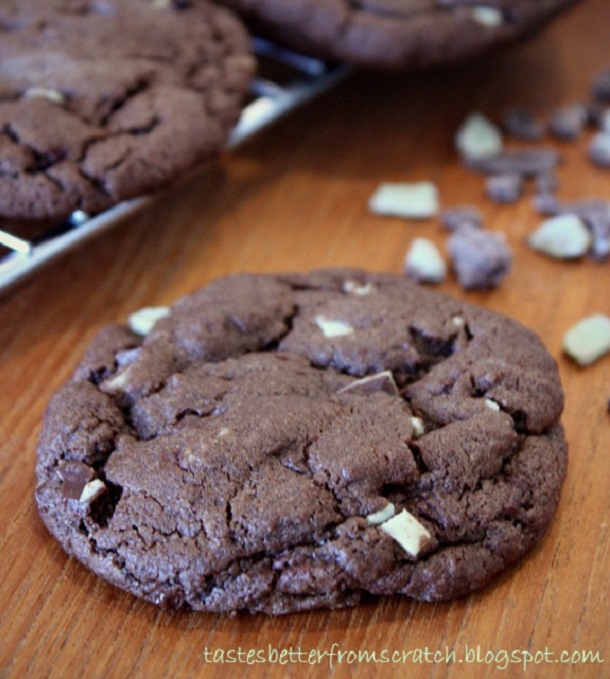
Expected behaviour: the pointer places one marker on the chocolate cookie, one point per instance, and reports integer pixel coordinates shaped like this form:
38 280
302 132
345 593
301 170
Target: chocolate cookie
103 100
395 33
281 443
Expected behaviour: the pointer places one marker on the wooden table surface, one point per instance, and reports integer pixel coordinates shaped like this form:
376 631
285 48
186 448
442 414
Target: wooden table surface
295 198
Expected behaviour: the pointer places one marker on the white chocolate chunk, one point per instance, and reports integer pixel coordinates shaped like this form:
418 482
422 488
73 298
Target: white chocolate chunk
491 17
116 383
143 320
478 138
91 490
52 95
382 515
424 262
407 531
383 381
332 328
588 340
492 405
418 427
458 321
417 200
354 288
562 237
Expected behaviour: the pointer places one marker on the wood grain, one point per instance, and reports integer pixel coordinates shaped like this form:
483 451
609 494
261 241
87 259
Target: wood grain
294 199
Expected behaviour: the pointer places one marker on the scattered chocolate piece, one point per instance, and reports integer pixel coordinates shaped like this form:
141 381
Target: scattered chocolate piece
568 122
480 259
528 162
424 262
458 217
563 237
478 138
600 230
599 149
546 182
594 212
415 200
601 87
603 120
546 204
596 112
588 340
506 188
522 124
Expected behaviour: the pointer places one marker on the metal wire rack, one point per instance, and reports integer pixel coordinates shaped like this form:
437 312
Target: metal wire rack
287 80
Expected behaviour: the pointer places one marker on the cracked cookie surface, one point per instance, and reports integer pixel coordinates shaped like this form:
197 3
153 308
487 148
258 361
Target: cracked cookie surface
104 100
395 33
282 443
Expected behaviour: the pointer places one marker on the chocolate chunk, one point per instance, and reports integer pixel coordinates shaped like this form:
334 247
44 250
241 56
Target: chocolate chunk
74 477
464 215
505 188
527 162
601 87
568 122
481 259
522 124
599 149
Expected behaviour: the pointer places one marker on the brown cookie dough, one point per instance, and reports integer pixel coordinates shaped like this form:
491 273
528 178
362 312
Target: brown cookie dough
104 100
395 33
282 443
